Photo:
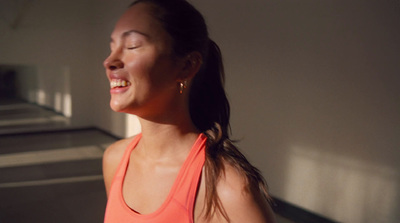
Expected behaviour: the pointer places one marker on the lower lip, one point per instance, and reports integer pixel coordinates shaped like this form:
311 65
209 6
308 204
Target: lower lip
119 90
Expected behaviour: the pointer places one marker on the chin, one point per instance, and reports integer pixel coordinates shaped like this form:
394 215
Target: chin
122 108
117 107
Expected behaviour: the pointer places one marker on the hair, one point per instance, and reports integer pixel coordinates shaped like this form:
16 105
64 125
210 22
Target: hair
208 104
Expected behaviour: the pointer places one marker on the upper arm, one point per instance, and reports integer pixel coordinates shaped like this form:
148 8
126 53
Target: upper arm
242 204
111 158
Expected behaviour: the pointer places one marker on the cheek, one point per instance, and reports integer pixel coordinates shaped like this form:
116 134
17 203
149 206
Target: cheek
151 71
141 63
164 71
135 65
138 69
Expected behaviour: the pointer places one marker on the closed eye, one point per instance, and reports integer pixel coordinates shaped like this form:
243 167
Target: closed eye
132 47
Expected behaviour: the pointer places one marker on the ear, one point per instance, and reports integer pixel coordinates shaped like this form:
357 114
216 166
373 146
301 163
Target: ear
191 65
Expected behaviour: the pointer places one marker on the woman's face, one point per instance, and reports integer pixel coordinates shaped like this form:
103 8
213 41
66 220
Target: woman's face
141 68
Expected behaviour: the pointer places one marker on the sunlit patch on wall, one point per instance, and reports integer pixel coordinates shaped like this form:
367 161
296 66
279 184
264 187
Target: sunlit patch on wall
58 102
340 186
67 99
67 109
41 97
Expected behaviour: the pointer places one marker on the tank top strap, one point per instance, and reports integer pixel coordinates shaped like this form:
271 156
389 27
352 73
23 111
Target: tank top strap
187 182
122 166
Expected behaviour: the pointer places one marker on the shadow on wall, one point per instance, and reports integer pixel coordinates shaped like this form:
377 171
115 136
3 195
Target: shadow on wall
18 81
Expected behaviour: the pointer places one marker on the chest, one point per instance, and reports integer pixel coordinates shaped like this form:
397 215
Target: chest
158 189
145 188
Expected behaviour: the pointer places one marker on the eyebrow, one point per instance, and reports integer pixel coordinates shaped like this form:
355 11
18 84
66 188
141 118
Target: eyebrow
129 32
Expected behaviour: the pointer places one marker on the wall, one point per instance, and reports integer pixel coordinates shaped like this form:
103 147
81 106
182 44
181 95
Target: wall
26 82
315 94
53 38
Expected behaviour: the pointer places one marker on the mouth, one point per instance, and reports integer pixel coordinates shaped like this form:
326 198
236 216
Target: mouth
118 83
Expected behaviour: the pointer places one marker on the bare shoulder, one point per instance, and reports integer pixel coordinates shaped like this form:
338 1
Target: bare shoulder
116 150
242 203
111 159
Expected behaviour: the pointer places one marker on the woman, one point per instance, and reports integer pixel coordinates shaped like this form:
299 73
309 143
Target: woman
182 167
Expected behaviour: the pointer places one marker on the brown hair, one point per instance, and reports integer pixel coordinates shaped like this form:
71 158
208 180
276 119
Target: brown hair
208 104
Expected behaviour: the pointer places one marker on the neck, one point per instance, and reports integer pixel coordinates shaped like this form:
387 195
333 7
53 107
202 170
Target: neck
167 137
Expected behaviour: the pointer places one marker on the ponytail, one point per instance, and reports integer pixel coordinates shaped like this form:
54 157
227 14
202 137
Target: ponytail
208 103
210 111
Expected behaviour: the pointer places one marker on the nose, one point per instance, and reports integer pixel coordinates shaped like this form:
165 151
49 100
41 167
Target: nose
113 62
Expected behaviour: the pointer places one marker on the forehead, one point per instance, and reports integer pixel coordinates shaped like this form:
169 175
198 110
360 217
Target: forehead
139 18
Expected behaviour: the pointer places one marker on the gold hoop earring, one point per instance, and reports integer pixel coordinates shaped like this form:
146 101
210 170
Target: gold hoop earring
182 86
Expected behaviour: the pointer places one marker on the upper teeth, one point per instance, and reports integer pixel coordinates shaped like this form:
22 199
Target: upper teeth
119 83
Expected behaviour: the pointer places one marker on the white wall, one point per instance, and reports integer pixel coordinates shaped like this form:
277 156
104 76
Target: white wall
52 37
315 94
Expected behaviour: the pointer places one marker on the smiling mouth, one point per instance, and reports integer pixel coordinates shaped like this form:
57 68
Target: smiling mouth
118 83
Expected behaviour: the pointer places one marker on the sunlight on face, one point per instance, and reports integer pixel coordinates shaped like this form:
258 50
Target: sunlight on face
141 69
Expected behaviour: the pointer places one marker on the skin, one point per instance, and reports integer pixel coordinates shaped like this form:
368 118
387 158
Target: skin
141 54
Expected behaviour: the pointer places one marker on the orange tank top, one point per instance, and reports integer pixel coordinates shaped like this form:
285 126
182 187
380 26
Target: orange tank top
177 208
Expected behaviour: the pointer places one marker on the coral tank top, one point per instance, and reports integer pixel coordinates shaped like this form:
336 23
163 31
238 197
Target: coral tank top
179 205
